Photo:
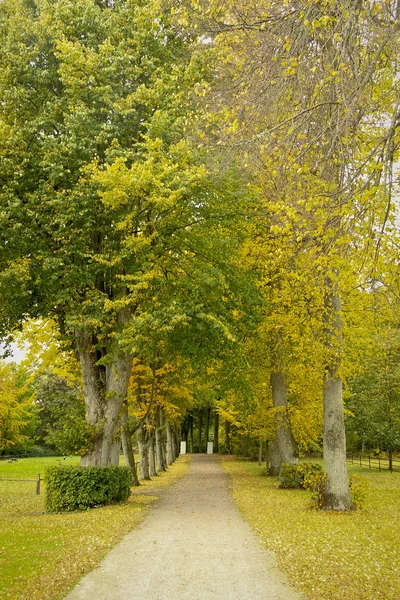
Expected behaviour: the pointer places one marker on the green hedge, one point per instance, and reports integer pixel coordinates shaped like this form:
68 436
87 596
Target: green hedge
293 476
79 488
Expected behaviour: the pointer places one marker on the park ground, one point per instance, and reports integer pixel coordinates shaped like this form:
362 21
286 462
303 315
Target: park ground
325 556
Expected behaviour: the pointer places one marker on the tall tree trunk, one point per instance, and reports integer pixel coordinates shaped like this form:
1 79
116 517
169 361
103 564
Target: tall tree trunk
216 431
105 388
115 451
143 445
170 443
199 436
227 437
284 437
274 461
191 433
337 494
163 439
207 431
161 466
177 438
127 446
152 454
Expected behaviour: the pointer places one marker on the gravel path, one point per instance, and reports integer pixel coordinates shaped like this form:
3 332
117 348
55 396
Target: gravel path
194 545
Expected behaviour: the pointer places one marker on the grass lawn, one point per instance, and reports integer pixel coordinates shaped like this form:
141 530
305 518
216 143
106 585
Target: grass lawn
326 556
43 555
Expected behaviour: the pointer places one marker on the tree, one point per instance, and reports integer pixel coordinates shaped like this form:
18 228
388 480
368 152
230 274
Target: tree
373 394
16 408
99 191
316 92
62 415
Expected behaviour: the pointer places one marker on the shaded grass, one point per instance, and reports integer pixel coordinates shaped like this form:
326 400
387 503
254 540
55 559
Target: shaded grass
43 555
327 556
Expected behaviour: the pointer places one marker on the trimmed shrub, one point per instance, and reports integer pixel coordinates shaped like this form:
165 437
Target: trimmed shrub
79 488
293 476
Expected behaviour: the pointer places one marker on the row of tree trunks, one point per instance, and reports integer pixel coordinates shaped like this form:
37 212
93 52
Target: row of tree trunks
157 452
283 449
105 389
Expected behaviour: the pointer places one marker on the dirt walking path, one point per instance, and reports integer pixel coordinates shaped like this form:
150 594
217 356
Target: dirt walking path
194 545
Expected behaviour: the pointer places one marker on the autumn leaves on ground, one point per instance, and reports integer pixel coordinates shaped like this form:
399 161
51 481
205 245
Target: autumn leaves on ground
327 556
43 555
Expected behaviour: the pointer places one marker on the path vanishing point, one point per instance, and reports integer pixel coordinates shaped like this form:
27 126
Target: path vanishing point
193 545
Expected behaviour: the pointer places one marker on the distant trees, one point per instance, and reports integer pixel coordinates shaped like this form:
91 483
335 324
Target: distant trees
61 411
17 412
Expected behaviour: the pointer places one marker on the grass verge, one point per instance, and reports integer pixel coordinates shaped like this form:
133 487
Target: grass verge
327 556
43 555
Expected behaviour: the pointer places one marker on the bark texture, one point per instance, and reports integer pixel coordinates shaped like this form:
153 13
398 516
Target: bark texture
274 461
160 462
337 495
284 436
170 443
152 455
115 451
143 438
127 446
105 389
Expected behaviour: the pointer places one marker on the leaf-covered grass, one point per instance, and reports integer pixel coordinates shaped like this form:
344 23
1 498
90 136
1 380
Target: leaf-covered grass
326 556
43 555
